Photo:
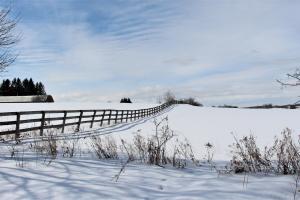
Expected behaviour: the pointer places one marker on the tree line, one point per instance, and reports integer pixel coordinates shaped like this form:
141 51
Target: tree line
18 87
125 100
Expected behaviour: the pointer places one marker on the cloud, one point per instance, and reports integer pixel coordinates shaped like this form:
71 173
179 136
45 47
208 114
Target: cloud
216 51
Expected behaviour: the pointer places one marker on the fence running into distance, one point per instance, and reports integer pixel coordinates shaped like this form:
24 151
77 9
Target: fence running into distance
79 117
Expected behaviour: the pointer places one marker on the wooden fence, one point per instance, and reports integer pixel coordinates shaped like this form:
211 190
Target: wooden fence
79 117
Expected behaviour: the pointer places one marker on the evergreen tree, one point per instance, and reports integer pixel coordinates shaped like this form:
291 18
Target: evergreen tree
2 90
6 87
26 87
41 89
19 88
31 87
13 87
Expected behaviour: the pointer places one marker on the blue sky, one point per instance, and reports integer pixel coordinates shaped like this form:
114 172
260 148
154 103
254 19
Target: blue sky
220 52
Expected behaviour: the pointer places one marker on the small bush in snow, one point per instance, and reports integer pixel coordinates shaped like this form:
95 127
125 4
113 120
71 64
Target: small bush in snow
209 152
17 153
182 154
141 147
287 154
247 157
104 148
157 143
46 147
157 148
282 157
51 144
68 147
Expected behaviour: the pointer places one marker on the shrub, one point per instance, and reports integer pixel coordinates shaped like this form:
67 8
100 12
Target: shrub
247 157
287 154
156 149
282 157
104 148
68 147
182 154
190 101
51 145
169 97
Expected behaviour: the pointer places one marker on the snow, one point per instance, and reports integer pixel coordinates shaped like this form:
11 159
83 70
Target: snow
86 177
14 107
201 125
94 179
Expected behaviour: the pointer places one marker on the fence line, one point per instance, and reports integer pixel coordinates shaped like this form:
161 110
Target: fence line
81 117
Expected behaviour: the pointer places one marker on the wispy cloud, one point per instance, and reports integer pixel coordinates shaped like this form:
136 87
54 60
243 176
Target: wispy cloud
219 52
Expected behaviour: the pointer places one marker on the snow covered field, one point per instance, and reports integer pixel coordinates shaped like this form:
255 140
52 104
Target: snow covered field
86 177
93 179
12 107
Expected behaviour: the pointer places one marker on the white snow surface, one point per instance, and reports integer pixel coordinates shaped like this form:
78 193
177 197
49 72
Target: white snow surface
94 179
13 107
87 177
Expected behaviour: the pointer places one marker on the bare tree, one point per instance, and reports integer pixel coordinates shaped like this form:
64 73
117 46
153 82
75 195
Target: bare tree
294 79
8 38
169 97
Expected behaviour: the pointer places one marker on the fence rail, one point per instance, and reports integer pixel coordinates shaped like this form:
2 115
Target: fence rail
79 117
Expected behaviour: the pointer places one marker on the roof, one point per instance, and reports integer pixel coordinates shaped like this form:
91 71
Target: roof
26 99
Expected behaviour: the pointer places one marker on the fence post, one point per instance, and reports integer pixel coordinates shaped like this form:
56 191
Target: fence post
42 123
122 116
109 117
91 126
64 122
79 121
116 116
17 135
127 115
102 118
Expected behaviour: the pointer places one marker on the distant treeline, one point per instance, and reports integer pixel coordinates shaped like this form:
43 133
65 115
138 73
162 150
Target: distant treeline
18 87
265 106
268 106
125 100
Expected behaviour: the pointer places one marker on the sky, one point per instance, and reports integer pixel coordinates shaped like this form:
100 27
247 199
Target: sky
217 51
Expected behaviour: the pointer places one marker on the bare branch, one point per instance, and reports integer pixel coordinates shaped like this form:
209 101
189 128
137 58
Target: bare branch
295 79
8 38
288 84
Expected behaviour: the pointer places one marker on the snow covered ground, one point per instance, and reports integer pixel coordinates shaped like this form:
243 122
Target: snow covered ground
94 179
86 177
12 107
